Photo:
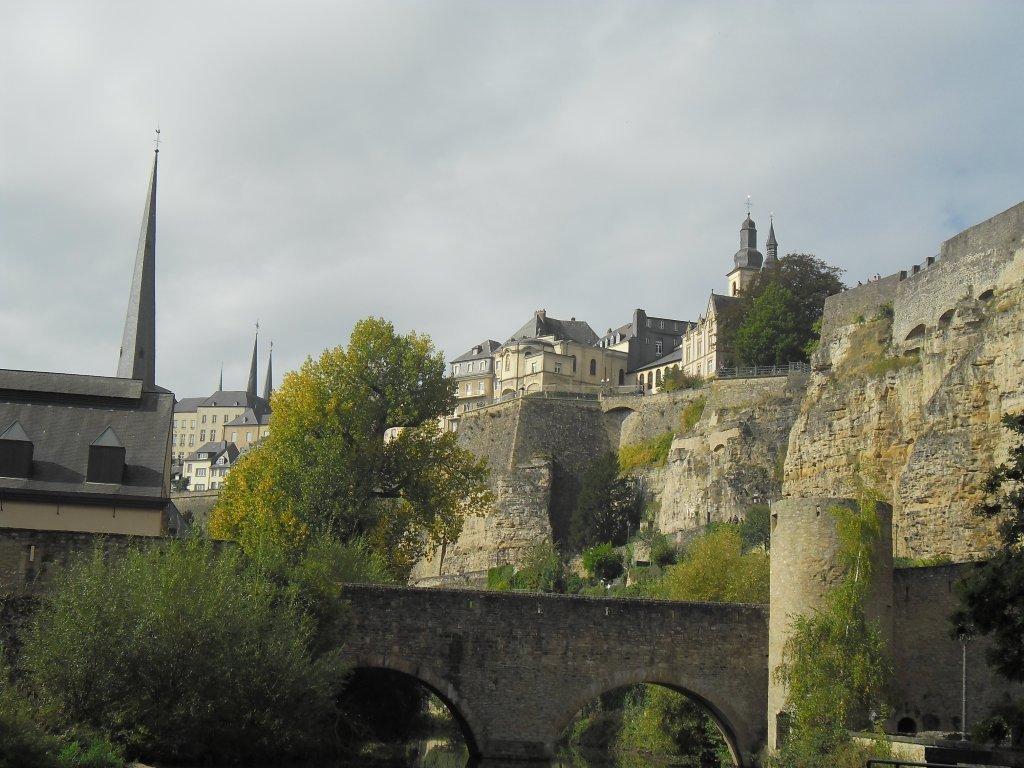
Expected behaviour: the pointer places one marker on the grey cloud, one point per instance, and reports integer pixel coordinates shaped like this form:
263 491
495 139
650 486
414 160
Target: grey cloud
455 166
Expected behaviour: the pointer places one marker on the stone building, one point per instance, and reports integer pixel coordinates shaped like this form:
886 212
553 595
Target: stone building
207 467
645 339
549 355
473 372
241 417
89 454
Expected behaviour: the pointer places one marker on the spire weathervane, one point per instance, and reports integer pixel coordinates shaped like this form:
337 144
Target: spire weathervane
748 205
156 141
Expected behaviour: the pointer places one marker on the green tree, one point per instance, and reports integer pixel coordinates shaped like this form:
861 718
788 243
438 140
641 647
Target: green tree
327 469
992 594
603 562
799 284
715 568
661 722
834 664
755 530
769 333
608 507
187 652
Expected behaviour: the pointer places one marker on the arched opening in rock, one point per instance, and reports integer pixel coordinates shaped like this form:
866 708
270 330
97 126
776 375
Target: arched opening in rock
916 332
986 295
906 726
648 723
946 317
393 716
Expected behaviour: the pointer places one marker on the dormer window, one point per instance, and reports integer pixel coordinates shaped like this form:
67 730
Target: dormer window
15 452
106 458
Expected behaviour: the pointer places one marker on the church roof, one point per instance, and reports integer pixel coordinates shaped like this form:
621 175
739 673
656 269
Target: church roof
65 414
675 356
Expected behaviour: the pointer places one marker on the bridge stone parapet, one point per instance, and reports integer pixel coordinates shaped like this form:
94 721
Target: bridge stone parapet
515 668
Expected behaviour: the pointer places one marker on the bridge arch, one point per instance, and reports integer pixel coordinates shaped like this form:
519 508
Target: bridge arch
740 738
436 684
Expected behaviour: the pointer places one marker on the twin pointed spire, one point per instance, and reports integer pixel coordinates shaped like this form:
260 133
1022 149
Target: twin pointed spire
268 384
138 343
251 386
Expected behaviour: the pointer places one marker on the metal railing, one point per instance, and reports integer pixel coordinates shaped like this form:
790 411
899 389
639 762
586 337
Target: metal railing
758 371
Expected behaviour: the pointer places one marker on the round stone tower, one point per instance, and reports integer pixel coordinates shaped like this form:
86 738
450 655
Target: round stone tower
804 565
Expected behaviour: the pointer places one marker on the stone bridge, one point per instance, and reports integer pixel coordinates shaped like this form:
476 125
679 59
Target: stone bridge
515 668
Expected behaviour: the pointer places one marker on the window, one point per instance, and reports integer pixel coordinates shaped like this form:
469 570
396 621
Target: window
506 362
648 322
213 419
469 367
214 486
661 323
201 487
622 378
248 437
204 418
188 469
593 367
266 432
480 388
483 365
234 437
558 367
455 369
658 346
191 440
469 389
201 472
181 439
533 367
202 436
193 423
574 363
647 339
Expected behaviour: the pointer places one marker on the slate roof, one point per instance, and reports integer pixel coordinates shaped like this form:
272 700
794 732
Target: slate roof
720 301
62 414
248 418
224 398
542 325
215 451
675 356
487 349
189 404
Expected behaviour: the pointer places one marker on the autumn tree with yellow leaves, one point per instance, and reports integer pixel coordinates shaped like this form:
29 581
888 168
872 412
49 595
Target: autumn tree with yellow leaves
326 470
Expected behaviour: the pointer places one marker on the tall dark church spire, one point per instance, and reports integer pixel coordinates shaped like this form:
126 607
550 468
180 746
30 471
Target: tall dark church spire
771 245
138 344
220 385
268 384
251 387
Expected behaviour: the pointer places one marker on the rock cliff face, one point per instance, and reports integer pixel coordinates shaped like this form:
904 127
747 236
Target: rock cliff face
731 459
910 383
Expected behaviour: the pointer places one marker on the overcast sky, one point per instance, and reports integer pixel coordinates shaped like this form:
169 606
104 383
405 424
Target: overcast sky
454 166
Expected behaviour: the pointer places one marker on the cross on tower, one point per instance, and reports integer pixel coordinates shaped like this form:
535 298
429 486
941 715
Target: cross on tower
748 205
156 141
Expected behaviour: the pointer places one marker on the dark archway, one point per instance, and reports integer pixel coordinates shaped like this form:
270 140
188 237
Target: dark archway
916 332
441 688
622 377
723 719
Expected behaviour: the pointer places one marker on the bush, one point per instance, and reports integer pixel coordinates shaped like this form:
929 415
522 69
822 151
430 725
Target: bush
663 551
691 413
608 506
23 741
755 530
676 380
183 653
649 453
715 568
603 562
662 722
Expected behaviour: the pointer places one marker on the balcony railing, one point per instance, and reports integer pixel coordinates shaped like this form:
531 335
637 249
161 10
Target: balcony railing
758 371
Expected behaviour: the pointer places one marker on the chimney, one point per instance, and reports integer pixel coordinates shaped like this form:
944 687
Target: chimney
15 452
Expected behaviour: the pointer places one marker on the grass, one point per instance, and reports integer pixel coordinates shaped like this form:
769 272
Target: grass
648 453
869 353
691 413
921 562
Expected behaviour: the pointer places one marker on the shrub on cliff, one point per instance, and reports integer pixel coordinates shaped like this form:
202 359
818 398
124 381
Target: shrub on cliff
603 562
676 380
182 653
648 453
608 507
715 568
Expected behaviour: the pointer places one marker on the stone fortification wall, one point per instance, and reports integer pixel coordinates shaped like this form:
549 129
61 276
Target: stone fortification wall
845 308
927 661
29 558
804 565
651 415
195 506
919 419
538 450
